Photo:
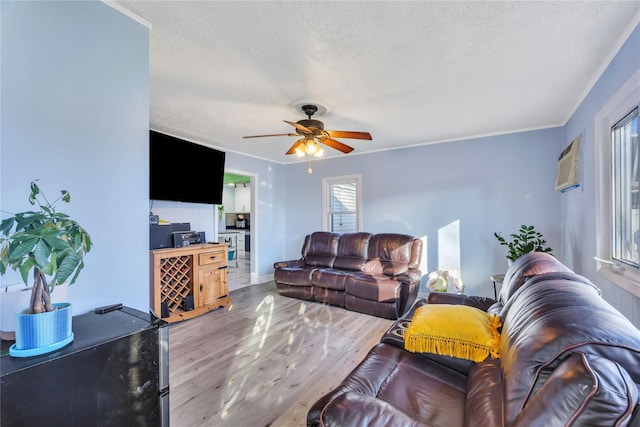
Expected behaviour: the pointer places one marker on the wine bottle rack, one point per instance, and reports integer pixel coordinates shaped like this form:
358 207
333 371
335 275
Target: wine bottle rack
175 280
196 271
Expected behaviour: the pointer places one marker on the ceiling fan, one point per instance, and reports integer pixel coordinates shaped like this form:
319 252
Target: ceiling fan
312 130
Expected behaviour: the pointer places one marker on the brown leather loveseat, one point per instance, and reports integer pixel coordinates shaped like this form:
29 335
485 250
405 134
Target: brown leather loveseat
376 274
567 358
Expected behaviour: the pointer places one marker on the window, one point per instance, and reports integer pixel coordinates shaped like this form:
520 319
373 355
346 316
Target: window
624 154
341 204
618 189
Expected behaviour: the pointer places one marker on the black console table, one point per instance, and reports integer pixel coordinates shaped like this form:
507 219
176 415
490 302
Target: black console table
114 373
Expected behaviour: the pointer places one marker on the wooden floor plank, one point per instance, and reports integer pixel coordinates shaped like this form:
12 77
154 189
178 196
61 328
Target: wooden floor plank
264 360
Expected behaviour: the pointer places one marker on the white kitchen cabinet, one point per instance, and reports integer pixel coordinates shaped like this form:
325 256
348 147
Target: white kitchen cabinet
229 198
243 199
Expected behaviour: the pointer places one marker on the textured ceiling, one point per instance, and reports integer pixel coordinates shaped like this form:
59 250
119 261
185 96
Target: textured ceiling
409 73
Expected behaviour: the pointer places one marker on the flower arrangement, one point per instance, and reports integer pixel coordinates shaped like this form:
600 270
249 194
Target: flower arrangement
439 281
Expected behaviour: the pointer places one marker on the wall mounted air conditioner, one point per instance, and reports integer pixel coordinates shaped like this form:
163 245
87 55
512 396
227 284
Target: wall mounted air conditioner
568 173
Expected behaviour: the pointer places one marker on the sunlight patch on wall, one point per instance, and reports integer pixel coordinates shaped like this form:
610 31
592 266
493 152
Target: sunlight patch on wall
449 247
424 265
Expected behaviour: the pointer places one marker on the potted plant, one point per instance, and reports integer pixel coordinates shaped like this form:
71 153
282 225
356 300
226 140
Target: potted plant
527 240
49 243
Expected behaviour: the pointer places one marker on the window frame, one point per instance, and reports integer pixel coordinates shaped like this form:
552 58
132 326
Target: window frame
326 199
620 105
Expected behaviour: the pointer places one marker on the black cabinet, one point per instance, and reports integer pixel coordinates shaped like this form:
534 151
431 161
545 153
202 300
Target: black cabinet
115 373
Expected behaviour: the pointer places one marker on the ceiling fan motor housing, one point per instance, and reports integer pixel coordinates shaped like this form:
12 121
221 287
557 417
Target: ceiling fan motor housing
310 123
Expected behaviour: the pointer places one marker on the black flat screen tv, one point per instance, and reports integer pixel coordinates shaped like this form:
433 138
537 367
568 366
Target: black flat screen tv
183 171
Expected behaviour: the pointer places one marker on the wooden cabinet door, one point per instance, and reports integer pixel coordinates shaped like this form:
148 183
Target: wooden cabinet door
213 285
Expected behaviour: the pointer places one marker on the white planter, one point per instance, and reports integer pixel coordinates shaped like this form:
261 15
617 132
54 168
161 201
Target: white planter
14 299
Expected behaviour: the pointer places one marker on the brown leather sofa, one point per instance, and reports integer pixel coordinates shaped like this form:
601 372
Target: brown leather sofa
567 358
376 274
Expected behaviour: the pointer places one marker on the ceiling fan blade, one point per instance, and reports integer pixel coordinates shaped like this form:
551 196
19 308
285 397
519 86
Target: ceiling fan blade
295 145
349 134
337 145
298 126
275 134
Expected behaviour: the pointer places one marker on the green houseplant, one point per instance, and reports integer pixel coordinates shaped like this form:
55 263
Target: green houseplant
47 242
526 240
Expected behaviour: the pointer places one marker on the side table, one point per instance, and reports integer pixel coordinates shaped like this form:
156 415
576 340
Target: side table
497 279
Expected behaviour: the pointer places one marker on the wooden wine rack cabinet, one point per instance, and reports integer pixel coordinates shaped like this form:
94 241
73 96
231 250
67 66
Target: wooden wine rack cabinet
198 271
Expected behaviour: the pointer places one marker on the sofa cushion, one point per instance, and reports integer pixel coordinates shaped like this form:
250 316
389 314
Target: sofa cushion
329 278
584 390
379 288
353 250
294 276
390 254
321 249
453 330
389 382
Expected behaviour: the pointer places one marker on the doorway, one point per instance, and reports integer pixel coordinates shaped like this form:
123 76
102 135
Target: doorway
238 225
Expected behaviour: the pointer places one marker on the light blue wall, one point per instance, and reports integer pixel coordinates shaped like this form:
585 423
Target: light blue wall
478 186
269 232
75 114
578 208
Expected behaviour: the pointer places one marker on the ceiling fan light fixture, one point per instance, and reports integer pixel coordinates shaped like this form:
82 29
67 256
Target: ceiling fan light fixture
298 148
319 153
311 147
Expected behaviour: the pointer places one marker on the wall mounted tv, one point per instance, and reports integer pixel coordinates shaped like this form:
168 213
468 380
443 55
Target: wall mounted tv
183 171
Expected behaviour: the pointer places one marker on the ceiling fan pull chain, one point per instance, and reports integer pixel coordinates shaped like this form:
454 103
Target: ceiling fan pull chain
310 170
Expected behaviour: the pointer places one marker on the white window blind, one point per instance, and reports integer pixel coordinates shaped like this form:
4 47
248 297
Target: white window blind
341 204
626 213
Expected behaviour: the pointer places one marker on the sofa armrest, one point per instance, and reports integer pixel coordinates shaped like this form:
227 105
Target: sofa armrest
483 303
584 390
356 409
293 263
411 277
484 395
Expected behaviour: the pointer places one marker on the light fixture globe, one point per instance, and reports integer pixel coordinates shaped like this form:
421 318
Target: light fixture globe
311 147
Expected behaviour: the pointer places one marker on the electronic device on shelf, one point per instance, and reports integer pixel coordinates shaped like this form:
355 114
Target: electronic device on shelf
161 235
187 238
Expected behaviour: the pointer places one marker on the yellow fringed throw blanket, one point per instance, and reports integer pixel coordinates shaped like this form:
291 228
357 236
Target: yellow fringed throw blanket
454 330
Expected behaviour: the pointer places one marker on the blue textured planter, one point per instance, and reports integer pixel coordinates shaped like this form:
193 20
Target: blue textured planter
42 333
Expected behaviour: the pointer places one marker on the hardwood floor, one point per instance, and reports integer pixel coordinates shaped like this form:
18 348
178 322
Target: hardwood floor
263 361
239 273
